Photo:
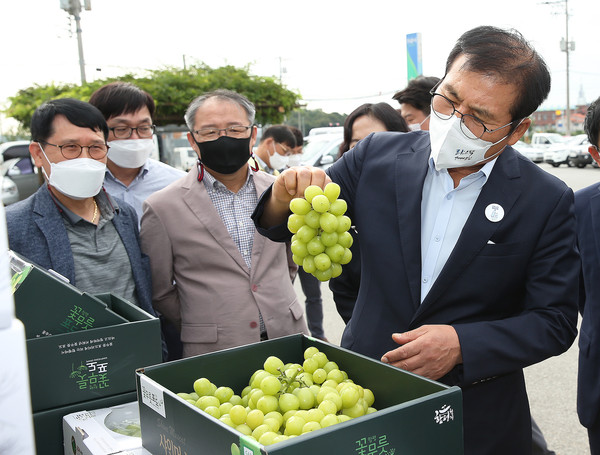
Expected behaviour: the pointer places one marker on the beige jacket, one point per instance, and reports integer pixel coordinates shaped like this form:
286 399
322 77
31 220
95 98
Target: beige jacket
200 281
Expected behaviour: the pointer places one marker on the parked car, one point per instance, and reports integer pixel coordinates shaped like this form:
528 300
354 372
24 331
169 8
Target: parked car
321 150
20 177
578 151
556 150
535 154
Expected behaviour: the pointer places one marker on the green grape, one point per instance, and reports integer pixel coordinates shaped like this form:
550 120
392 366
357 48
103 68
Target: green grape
267 438
335 398
206 401
305 397
332 191
328 407
310 426
336 269
312 219
335 252
294 425
273 365
275 415
323 275
338 207
315 415
225 408
355 411
238 414
226 419
299 249
345 239
328 222
312 191
295 222
288 402
319 376
344 223
273 424
349 396
306 233
300 206
320 203
255 418
330 366
267 403
369 397
297 259
260 430
347 256
321 357
310 351
329 238
315 246
328 420
308 264
213 411
310 365
202 387
224 394
322 262
270 385
244 429
235 399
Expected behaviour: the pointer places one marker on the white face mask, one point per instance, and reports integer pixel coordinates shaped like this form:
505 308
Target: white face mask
278 161
130 153
295 160
450 148
78 178
417 126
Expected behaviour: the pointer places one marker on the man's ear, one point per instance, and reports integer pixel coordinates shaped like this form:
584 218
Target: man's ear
594 152
36 153
519 131
192 142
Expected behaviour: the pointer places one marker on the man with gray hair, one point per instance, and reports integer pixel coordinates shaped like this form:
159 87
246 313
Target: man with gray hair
216 279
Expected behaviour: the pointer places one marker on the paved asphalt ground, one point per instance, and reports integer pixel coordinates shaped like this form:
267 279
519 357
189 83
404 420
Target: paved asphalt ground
552 384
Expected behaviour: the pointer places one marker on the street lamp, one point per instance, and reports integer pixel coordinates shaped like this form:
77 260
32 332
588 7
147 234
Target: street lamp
73 7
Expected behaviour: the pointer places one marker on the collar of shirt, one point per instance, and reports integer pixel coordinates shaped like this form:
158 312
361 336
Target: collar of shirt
212 183
143 171
263 166
485 171
106 205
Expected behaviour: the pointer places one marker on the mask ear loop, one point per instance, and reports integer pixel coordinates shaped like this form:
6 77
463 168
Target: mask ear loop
200 170
255 167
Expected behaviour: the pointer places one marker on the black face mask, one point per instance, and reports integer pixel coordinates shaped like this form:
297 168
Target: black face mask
225 155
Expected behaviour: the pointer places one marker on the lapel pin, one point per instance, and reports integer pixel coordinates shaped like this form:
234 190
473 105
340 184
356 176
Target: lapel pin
494 212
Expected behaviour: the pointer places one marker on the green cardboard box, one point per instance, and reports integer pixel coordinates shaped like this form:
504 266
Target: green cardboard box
415 415
48 305
48 424
89 364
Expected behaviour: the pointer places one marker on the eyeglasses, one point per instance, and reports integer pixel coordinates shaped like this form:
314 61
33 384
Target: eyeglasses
286 150
72 151
210 134
125 132
470 126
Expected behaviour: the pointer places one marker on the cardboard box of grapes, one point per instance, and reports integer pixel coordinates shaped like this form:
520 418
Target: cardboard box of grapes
48 424
87 364
113 430
413 415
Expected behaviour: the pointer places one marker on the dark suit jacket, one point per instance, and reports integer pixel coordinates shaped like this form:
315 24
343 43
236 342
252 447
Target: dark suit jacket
512 302
36 231
587 210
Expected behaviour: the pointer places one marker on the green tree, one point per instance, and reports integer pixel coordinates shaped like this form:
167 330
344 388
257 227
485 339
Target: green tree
308 119
173 89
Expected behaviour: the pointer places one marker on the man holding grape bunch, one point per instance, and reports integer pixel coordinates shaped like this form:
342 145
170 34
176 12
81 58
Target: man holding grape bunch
469 265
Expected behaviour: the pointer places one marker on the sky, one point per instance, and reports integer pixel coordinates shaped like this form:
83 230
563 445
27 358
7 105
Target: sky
335 54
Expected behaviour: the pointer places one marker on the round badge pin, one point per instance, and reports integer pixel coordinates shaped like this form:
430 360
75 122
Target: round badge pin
494 212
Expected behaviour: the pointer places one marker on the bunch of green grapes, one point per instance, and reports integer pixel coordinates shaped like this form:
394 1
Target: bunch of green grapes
321 241
282 401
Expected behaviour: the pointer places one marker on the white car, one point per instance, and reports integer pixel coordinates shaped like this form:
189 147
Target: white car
535 154
321 150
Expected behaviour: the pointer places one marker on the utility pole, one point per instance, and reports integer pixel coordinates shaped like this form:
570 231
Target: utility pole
566 46
73 7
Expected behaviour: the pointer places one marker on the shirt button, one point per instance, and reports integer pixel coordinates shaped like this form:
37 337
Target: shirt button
253 325
425 280
449 196
254 288
437 238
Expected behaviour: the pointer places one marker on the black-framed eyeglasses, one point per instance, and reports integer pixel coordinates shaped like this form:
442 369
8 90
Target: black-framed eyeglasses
125 132
210 134
72 151
471 126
